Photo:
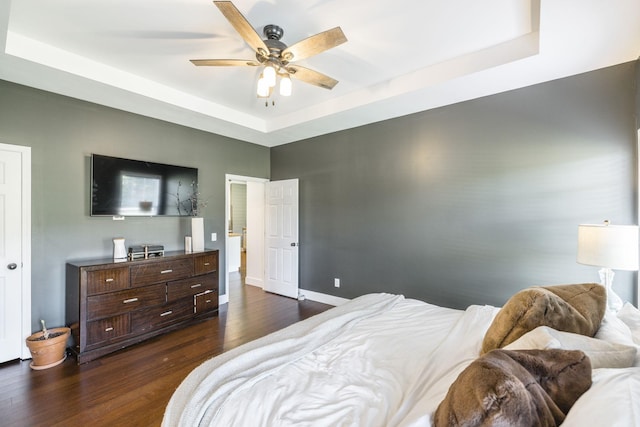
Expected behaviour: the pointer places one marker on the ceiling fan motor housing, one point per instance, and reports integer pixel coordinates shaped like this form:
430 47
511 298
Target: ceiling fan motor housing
273 34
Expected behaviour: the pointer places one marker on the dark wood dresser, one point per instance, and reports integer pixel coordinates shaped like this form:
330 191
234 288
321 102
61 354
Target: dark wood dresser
111 305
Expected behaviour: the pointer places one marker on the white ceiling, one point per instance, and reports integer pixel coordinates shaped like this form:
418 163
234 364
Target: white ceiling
401 57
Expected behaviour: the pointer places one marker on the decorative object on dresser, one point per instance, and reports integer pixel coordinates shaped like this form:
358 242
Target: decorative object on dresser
119 251
197 234
110 305
145 251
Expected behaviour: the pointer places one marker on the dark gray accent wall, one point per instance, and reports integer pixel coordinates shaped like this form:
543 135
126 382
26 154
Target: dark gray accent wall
469 203
62 133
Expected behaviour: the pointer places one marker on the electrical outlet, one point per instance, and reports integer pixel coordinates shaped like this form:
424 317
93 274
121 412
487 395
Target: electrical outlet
214 237
336 282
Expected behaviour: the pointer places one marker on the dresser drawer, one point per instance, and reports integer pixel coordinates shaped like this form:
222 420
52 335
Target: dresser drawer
189 287
107 329
119 302
162 271
207 263
157 317
205 302
112 279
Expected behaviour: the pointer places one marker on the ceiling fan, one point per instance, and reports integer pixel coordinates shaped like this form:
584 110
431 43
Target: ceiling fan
275 56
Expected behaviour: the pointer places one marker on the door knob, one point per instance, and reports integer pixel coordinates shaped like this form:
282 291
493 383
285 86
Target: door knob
12 266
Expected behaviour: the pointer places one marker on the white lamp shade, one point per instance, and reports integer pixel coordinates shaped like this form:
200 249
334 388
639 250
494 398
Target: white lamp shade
610 246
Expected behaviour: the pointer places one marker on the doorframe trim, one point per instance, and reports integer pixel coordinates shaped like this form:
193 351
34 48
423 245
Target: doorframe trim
25 321
223 299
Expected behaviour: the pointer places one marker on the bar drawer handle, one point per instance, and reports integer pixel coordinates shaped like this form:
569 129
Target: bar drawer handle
206 263
109 329
127 301
196 285
109 280
166 271
208 301
166 313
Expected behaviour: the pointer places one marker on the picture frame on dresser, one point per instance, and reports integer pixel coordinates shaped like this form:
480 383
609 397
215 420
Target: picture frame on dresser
112 305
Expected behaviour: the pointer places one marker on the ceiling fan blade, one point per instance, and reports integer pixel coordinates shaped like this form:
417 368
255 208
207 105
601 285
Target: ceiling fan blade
310 76
242 26
314 44
225 62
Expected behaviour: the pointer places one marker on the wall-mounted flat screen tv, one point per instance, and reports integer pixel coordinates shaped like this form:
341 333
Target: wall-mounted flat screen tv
124 187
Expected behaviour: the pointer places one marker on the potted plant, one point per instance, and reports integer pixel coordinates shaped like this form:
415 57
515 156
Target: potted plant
48 347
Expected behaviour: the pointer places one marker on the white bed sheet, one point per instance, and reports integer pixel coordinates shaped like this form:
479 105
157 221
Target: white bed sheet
379 360
389 367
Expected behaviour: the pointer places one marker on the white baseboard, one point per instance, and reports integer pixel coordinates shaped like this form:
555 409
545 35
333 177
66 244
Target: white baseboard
323 298
253 281
310 295
223 299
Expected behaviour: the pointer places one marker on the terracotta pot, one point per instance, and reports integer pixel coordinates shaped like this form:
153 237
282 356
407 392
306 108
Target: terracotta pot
49 352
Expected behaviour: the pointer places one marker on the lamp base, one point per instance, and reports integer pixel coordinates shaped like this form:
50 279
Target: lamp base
614 302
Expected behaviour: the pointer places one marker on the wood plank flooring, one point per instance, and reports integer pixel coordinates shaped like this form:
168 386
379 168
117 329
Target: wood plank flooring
132 387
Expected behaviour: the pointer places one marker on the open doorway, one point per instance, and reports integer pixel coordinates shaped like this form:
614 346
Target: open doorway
244 236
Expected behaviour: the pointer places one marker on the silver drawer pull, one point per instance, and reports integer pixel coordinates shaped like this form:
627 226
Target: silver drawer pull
208 301
206 263
109 280
166 313
109 329
127 301
196 285
166 271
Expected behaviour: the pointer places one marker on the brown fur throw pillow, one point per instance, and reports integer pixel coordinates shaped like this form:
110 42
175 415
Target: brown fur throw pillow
570 308
516 388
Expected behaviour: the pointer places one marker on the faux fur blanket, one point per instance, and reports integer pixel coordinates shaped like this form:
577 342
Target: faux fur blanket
516 388
577 308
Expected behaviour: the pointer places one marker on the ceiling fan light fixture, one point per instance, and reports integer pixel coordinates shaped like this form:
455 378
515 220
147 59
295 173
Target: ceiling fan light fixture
269 75
263 87
285 85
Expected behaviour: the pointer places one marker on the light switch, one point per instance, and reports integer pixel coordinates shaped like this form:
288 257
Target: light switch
214 237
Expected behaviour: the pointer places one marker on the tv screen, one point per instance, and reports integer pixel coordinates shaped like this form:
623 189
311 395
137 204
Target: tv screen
124 187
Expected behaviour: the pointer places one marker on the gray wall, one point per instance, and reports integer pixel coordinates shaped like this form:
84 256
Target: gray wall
62 133
471 202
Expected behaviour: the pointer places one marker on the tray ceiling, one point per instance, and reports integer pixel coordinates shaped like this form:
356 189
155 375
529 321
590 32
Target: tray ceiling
401 57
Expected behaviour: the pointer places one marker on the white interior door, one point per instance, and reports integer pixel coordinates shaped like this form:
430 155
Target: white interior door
11 247
281 238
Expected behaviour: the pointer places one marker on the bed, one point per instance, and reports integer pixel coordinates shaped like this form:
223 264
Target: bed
386 360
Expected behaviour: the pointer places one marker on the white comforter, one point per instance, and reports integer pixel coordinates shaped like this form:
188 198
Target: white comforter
379 360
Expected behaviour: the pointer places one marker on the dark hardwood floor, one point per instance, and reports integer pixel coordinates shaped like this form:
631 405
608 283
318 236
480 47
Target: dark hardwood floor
132 387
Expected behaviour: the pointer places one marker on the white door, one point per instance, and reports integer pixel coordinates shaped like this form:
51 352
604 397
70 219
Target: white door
11 316
281 238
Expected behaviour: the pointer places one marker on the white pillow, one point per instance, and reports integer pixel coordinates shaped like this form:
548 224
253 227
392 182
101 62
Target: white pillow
602 354
615 330
631 317
611 401
612 329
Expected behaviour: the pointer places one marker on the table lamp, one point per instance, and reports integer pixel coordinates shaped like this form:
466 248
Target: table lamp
612 247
